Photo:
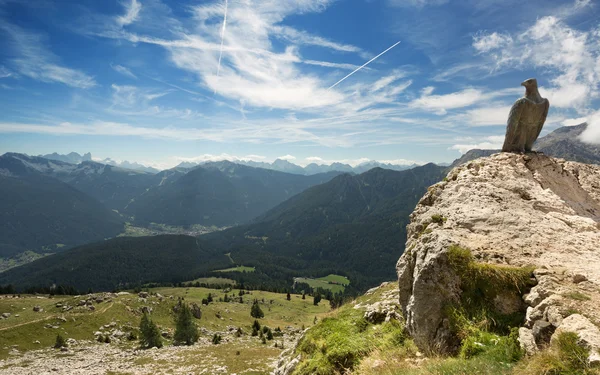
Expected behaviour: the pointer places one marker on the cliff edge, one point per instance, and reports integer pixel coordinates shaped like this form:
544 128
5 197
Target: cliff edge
513 237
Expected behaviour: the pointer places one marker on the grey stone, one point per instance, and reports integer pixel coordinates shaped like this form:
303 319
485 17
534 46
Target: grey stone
579 278
37 309
196 312
542 331
526 119
527 341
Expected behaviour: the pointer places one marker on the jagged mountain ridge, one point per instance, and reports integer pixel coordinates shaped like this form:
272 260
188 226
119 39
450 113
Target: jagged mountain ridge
43 214
352 224
75 158
313 168
219 193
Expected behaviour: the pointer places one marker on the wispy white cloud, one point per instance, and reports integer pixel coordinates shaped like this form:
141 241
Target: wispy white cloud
572 56
123 70
220 157
493 142
356 162
5 73
35 61
488 42
132 10
574 121
417 3
287 157
439 104
302 37
386 81
328 64
592 131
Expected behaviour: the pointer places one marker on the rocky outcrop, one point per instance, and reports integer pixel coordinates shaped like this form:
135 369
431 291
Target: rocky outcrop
507 210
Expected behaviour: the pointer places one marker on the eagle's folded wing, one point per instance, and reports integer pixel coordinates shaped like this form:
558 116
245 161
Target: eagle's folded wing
512 126
543 118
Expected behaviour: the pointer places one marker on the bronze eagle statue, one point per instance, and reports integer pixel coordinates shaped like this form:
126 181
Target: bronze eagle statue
526 119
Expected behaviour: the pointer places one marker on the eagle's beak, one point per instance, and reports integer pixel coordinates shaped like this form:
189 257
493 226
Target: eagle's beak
523 83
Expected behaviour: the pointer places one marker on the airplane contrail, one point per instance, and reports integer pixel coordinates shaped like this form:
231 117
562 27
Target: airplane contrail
222 38
362 66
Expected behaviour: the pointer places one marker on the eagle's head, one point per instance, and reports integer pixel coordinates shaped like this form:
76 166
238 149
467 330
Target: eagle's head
531 83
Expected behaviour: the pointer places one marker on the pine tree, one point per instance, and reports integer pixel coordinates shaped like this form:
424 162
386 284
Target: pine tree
149 333
256 325
256 311
289 297
317 299
60 342
209 298
186 331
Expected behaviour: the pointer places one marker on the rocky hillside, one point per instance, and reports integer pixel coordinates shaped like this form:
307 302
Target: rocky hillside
495 227
500 276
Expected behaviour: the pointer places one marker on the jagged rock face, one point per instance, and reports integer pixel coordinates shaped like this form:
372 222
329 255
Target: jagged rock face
507 209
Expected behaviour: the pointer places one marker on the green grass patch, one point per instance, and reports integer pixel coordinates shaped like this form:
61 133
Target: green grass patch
339 342
237 269
480 285
342 280
438 219
335 283
578 296
564 357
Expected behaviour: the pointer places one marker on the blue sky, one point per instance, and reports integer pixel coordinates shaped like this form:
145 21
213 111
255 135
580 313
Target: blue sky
160 82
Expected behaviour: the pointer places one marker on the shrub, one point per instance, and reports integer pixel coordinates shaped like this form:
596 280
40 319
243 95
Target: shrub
216 339
149 333
438 219
186 331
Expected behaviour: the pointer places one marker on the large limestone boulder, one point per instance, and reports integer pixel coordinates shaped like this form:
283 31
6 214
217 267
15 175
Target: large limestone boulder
508 210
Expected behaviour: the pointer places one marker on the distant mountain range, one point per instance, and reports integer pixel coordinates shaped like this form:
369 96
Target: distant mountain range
313 168
219 193
351 225
75 158
43 214
286 224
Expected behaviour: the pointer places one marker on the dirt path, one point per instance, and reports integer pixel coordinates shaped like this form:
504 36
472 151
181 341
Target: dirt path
53 317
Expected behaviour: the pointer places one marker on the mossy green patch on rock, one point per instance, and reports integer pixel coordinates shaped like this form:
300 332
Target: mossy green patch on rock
490 294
